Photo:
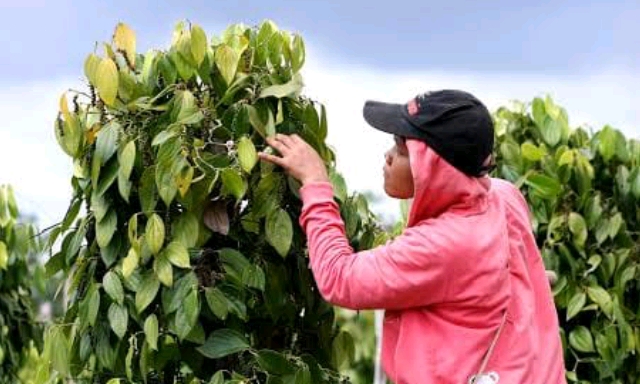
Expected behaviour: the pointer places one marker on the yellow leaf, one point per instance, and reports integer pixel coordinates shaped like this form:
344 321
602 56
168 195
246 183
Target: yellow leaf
184 180
92 133
227 62
198 44
107 81
247 154
64 107
124 38
91 64
130 263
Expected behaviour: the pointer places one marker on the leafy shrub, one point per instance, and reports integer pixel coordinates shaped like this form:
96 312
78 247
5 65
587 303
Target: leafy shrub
189 263
19 330
584 192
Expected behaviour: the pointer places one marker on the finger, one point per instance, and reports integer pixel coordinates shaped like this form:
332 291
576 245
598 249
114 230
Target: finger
297 139
284 139
277 145
271 159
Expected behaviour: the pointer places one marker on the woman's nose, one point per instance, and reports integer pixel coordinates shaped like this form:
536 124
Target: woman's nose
387 157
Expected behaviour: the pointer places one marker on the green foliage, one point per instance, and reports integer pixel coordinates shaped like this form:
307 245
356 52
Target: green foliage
19 245
189 264
584 191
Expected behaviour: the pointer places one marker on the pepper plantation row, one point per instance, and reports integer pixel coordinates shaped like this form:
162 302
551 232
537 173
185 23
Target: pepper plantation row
180 259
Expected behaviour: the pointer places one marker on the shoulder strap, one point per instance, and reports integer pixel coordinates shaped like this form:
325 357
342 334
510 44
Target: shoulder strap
487 356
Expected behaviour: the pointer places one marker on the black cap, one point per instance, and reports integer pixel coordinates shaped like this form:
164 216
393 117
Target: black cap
455 124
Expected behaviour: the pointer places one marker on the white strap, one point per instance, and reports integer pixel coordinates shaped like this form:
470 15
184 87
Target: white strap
487 356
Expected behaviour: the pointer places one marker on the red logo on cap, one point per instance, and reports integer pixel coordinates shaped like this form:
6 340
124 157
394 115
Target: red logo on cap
412 107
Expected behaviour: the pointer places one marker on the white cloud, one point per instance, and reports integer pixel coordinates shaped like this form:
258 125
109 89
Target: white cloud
31 160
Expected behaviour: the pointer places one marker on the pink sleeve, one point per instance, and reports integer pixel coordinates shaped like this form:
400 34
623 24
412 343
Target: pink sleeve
406 272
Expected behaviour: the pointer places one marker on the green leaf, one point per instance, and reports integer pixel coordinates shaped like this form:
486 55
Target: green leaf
339 185
217 378
233 183
578 227
4 256
576 304
532 152
274 362
247 154
343 349
124 187
107 141
130 263
113 287
106 228
118 319
303 375
177 254
234 262
581 340
223 342
227 60
107 177
151 331
185 229
289 89
166 183
253 276
155 233
163 136
187 314
106 81
93 306
297 54
279 231
198 44
163 269
147 190
607 139
217 302
634 180
172 298
544 185
105 353
551 131
601 297
187 107
60 347
127 159
147 292
615 224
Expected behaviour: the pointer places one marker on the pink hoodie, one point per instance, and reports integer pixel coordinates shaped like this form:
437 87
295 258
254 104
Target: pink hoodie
468 254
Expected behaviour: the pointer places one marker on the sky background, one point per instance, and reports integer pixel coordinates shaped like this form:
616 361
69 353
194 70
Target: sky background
584 54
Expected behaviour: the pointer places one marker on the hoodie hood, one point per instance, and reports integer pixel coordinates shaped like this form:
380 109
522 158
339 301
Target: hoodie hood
439 187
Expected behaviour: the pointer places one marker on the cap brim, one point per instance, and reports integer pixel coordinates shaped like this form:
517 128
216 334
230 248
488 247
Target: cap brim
389 118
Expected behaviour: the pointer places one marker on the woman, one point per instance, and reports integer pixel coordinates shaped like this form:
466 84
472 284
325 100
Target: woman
464 289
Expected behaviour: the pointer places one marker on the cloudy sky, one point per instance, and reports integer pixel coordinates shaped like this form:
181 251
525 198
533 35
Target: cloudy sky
586 54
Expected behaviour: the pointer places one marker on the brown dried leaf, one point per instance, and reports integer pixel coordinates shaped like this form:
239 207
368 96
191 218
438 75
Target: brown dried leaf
216 217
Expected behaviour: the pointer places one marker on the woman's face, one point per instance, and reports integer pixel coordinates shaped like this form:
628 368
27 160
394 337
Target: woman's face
398 180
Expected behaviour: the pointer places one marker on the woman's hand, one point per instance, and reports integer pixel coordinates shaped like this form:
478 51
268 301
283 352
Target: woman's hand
297 158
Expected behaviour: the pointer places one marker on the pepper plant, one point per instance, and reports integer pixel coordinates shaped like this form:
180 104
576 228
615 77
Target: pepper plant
583 189
19 249
182 255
